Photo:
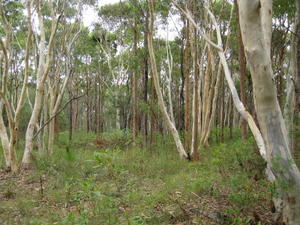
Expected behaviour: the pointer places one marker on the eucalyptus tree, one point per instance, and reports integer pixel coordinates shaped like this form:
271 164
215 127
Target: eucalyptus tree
119 16
297 55
14 23
45 55
256 20
79 64
154 71
58 79
292 105
221 53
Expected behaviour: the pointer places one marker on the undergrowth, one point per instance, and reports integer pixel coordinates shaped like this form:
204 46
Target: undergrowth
104 180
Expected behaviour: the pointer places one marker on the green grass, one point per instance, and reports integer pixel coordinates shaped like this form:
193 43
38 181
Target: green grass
119 184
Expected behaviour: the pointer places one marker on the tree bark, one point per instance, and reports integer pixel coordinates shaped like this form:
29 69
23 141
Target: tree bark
45 58
254 20
186 72
243 75
161 104
297 59
134 84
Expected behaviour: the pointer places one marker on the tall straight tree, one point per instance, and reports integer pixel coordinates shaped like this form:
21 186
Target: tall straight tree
9 134
45 51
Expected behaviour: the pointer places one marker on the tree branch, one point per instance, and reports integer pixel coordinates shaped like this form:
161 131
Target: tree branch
57 113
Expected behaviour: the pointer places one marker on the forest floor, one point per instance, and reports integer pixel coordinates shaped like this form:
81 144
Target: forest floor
103 180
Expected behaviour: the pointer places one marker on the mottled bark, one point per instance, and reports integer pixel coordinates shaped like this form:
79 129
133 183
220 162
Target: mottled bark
254 23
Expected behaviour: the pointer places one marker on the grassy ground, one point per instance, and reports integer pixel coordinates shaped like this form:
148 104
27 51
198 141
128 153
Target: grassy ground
102 180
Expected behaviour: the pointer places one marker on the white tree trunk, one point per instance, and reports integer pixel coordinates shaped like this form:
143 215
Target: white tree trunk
27 159
9 142
4 139
253 17
42 73
161 103
237 102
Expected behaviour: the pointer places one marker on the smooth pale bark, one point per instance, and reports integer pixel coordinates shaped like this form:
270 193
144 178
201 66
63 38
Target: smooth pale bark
180 118
208 84
57 91
214 105
237 102
217 88
4 139
255 38
161 103
196 96
200 97
45 58
289 107
297 58
10 141
266 21
9 152
292 101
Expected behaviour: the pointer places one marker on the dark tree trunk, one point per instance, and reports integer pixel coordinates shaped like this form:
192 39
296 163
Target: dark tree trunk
243 75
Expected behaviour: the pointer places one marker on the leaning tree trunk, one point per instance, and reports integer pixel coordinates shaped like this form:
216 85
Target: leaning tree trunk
161 103
254 17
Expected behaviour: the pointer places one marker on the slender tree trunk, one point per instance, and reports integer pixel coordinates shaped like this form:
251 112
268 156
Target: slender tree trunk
196 93
169 80
296 67
187 92
45 59
70 117
145 114
297 59
243 75
222 111
88 110
181 95
161 104
134 85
